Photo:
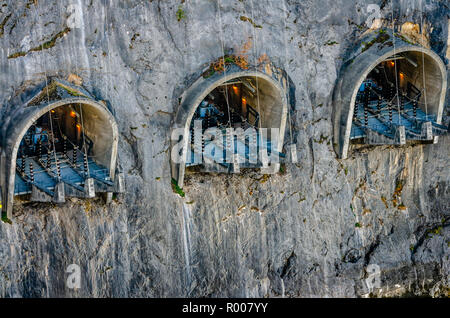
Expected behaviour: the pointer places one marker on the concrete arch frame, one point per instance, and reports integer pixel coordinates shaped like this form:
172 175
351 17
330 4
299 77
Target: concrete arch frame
361 62
195 94
21 121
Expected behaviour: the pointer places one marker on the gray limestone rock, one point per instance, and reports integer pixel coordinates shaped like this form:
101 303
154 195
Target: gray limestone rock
310 231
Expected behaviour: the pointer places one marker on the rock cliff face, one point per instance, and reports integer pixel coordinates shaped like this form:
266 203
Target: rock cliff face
314 230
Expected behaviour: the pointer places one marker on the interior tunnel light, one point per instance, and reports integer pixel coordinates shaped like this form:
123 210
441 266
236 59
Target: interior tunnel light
73 114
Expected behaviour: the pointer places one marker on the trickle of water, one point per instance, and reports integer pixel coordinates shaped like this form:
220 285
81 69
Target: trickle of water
282 288
82 41
187 242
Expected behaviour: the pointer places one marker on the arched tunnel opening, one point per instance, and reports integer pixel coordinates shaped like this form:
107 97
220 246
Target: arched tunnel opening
61 143
232 120
70 144
390 91
403 91
249 105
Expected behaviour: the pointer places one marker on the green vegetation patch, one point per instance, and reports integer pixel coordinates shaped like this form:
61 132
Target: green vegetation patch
47 93
282 168
381 38
5 219
220 64
329 42
176 188
16 55
2 24
180 13
51 43
71 91
246 19
434 231
404 39
44 46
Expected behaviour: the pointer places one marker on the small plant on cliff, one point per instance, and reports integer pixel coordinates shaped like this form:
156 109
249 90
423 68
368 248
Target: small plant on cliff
176 188
180 13
246 19
329 42
435 231
220 64
5 219
381 38
397 192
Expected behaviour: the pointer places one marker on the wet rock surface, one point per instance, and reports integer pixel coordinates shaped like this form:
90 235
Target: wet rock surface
313 230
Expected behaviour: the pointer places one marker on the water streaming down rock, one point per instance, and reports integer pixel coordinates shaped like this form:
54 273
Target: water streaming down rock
153 61
187 244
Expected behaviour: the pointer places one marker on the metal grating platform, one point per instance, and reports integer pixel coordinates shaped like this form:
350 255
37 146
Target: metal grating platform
216 151
385 118
46 179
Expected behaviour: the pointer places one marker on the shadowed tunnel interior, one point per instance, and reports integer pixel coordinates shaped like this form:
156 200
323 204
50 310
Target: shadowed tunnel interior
404 90
69 144
245 104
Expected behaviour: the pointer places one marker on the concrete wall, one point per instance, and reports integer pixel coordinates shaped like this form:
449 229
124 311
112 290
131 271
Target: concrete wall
100 126
310 232
361 62
435 79
273 98
102 130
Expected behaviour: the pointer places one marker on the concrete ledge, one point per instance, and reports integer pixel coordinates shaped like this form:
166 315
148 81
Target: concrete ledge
60 194
38 195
